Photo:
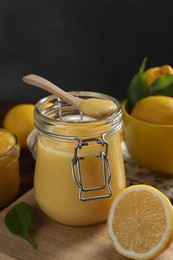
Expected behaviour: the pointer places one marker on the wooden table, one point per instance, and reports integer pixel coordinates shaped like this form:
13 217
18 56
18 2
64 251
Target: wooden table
27 163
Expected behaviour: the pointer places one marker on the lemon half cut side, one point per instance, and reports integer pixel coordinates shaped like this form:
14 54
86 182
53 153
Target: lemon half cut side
140 222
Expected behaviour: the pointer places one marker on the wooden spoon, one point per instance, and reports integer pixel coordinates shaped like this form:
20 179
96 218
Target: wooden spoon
93 107
43 83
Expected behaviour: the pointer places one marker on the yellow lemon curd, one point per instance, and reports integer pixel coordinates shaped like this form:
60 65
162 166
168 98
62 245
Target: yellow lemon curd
97 108
9 168
57 194
55 190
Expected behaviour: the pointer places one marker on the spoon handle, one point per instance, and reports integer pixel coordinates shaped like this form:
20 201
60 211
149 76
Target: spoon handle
43 83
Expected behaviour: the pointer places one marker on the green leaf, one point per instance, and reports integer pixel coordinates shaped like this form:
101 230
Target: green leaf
137 88
18 221
162 86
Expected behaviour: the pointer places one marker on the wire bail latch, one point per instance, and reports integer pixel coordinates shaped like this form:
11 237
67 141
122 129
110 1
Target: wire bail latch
106 170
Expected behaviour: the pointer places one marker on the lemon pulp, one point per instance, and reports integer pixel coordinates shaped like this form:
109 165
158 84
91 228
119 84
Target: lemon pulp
140 222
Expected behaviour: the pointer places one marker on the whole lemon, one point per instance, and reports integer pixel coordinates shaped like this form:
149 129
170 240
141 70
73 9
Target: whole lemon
154 109
154 73
19 120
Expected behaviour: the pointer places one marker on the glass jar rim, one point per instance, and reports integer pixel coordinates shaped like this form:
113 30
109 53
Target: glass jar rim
49 112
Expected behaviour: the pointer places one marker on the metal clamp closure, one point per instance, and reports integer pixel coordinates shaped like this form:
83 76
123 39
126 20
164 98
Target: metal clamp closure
106 171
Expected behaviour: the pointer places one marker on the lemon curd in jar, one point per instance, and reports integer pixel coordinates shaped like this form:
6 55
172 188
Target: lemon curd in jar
79 165
9 167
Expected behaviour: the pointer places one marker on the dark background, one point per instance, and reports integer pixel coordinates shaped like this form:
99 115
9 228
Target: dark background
81 45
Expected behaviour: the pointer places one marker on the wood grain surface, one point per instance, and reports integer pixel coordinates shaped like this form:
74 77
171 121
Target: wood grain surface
59 242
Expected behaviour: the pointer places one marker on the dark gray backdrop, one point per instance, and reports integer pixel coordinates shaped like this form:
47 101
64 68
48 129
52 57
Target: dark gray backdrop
81 45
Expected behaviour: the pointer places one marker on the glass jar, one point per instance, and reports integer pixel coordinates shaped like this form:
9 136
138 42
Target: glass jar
9 167
79 165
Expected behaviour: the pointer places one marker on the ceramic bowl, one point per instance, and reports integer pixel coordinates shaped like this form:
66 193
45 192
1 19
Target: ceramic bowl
150 145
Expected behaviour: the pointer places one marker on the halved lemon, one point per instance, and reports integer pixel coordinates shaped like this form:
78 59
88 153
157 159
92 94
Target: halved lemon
140 222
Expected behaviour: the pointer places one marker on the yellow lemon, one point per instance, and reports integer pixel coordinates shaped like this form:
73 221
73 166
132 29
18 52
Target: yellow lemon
140 222
19 120
154 109
153 73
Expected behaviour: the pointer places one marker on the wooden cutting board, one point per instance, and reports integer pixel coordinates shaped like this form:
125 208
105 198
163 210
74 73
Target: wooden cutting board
59 242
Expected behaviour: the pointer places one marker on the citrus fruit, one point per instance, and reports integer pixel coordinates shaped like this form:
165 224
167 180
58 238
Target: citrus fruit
154 109
140 222
19 121
153 73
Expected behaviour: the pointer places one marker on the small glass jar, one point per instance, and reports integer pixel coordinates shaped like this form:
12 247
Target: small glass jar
9 167
79 165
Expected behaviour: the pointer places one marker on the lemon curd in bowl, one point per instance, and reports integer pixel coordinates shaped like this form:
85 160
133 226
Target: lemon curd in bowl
149 144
